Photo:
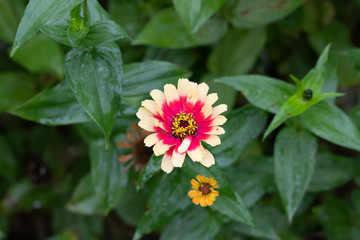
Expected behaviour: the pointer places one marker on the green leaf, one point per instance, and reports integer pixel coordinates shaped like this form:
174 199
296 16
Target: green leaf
192 224
228 202
251 178
8 163
355 115
194 13
37 14
263 228
250 122
68 235
142 77
334 216
78 27
249 14
41 54
237 52
314 80
329 122
95 76
264 92
132 205
151 168
294 157
10 15
15 89
85 200
107 175
166 30
56 106
331 171
168 198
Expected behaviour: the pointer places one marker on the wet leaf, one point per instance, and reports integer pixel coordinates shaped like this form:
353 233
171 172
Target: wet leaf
152 167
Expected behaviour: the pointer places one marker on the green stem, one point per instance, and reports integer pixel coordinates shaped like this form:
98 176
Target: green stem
85 10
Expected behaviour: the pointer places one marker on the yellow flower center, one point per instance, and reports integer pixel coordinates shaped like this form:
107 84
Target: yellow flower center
183 125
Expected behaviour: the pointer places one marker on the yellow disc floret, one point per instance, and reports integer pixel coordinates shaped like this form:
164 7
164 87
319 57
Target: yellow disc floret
183 125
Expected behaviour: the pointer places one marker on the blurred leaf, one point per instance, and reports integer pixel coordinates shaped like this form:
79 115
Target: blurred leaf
167 198
56 106
142 77
228 202
132 205
331 171
256 13
15 89
334 216
194 13
329 122
226 94
15 196
85 227
192 224
355 115
107 175
251 177
85 200
166 30
264 92
294 158
151 168
37 14
237 52
262 228
41 54
10 15
250 122
95 76
64 236
3 227
8 163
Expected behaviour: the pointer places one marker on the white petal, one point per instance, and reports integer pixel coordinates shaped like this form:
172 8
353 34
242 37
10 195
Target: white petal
219 120
185 144
198 154
143 112
184 86
206 110
166 164
213 140
160 148
171 93
158 96
216 130
203 89
159 124
211 99
219 109
151 139
209 159
178 158
192 97
149 105
147 123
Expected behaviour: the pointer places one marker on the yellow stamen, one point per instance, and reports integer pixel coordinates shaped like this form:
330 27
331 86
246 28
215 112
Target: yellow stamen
183 125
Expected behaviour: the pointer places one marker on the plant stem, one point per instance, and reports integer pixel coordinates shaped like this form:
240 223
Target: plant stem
85 10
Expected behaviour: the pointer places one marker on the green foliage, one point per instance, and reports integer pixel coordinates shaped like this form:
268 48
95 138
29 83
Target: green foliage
83 72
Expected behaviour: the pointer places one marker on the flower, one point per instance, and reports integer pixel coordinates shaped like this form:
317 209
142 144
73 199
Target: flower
203 191
140 153
180 119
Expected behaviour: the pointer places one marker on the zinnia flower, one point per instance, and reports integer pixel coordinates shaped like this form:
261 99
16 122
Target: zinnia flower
140 154
203 191
181 118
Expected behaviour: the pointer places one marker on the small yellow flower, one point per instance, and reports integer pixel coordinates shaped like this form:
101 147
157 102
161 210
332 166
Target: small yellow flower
203 191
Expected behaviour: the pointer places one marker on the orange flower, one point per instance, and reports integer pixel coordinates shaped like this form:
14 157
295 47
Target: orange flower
140 154
203 191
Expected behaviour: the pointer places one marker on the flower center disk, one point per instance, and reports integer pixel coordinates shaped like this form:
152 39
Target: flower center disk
205 189
183 125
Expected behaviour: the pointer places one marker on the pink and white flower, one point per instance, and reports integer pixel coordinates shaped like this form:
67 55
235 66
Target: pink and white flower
180 118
